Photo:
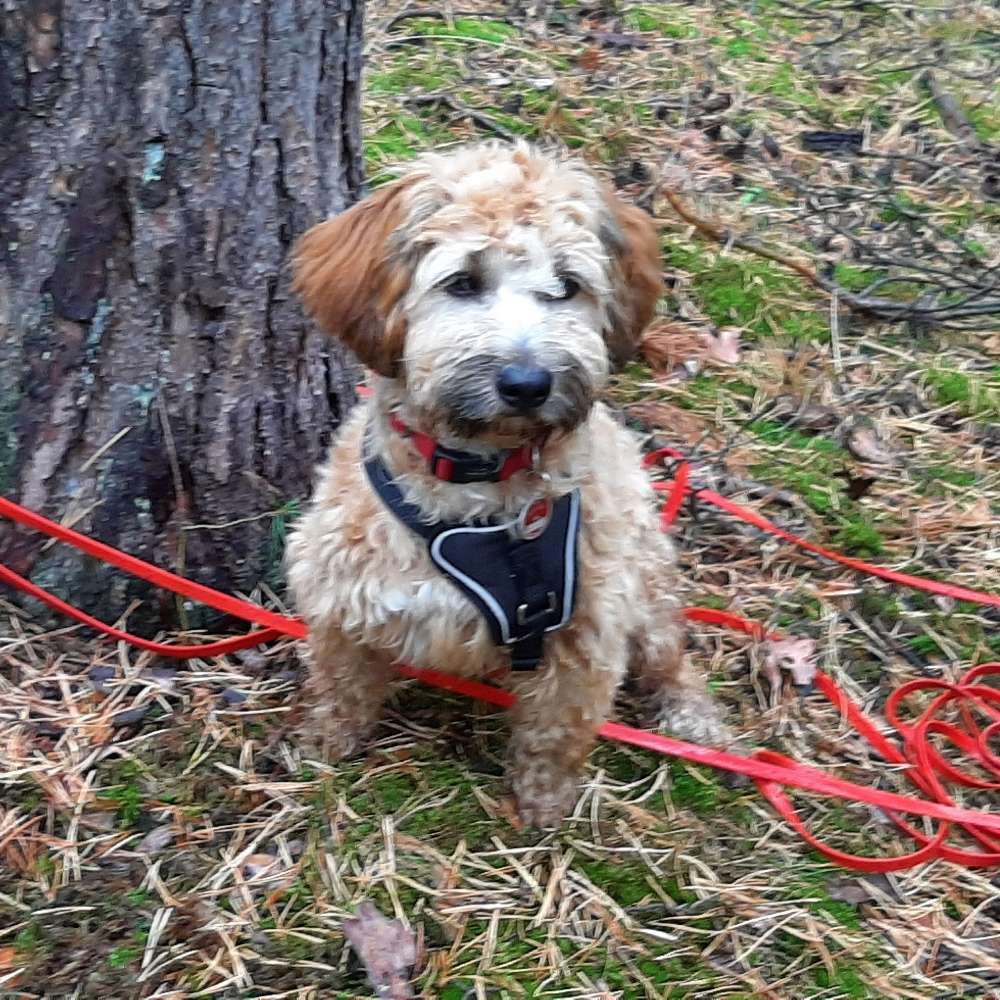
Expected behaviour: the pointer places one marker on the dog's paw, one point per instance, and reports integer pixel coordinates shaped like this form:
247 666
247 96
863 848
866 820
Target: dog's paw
697 718
333 739
544 800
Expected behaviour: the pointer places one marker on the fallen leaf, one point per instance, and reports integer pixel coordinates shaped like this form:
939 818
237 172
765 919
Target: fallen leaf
156 840
979 515
269 873
386 948
667 344
810 416
681 424
944 521
864 443
723 347
589 59
797 656
860 890
848 890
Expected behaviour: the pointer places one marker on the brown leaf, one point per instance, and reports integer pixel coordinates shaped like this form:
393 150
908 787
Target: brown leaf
979 515
810 416
848 890
864 443
797 656
667 344
387 949
944 521
723 347
860 890
259 864
681 424
590 59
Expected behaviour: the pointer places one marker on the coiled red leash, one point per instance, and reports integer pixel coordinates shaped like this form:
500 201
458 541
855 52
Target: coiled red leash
922 764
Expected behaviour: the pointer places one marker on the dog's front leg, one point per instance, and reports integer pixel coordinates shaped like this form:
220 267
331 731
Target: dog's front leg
555 722
347 686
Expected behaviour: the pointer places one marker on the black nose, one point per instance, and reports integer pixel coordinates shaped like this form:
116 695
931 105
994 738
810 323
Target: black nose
525 387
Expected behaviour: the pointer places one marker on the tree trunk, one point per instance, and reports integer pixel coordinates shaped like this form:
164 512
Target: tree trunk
159 387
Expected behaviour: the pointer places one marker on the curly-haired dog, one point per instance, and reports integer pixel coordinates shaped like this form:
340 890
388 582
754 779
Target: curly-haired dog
483 512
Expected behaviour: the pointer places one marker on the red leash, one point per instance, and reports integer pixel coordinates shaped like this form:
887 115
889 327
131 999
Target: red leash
919 760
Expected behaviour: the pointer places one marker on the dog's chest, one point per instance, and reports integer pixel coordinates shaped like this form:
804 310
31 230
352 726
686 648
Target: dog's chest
428 602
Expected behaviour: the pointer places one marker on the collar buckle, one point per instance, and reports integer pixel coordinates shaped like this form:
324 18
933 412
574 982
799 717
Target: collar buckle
465 467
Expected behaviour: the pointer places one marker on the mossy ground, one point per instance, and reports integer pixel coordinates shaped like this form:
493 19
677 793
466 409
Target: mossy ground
131 872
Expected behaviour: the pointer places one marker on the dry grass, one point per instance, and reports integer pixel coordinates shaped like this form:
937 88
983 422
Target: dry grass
162 834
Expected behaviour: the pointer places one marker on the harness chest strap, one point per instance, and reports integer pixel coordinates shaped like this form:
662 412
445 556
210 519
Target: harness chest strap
522 582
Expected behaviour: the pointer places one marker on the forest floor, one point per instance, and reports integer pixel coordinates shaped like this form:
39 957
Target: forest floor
162 833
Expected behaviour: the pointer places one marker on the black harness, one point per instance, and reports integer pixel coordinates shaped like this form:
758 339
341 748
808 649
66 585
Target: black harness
523 582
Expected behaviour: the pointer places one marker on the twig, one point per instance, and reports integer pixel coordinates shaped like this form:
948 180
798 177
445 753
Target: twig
952 115
882 308
477 117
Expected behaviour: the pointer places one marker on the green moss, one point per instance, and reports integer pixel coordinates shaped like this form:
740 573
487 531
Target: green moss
123 956
902 207
855 279
773 432
511 122
127 794
391 791
402 138
924 645
813 477
844 977
810 887
985 119
405 78
659 19
496 32
858 537
787 83
971 394
748 292
623 880
700 795
877 605
29 940
947 474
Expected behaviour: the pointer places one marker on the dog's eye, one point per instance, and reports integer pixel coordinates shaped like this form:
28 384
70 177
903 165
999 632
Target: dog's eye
463 285
569 288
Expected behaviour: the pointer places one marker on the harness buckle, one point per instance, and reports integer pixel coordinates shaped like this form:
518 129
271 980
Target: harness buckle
535 618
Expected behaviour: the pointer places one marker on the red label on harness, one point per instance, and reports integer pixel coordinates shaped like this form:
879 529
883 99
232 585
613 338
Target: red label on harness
534 518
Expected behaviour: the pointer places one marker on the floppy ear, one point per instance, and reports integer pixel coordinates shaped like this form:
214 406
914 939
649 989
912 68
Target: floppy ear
350 281
633 245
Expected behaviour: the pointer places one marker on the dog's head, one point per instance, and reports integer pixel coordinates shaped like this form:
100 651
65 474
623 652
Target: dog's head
498 284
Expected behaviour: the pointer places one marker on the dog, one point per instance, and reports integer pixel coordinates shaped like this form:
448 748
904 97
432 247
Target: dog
484 513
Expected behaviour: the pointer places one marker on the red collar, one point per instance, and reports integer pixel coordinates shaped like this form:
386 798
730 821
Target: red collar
453 466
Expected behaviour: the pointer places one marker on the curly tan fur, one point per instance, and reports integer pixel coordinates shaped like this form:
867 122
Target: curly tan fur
523 221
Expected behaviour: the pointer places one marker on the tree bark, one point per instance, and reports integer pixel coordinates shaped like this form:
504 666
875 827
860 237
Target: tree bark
157 160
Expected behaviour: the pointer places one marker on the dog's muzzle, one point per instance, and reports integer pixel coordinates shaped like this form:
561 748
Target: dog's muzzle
485 394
